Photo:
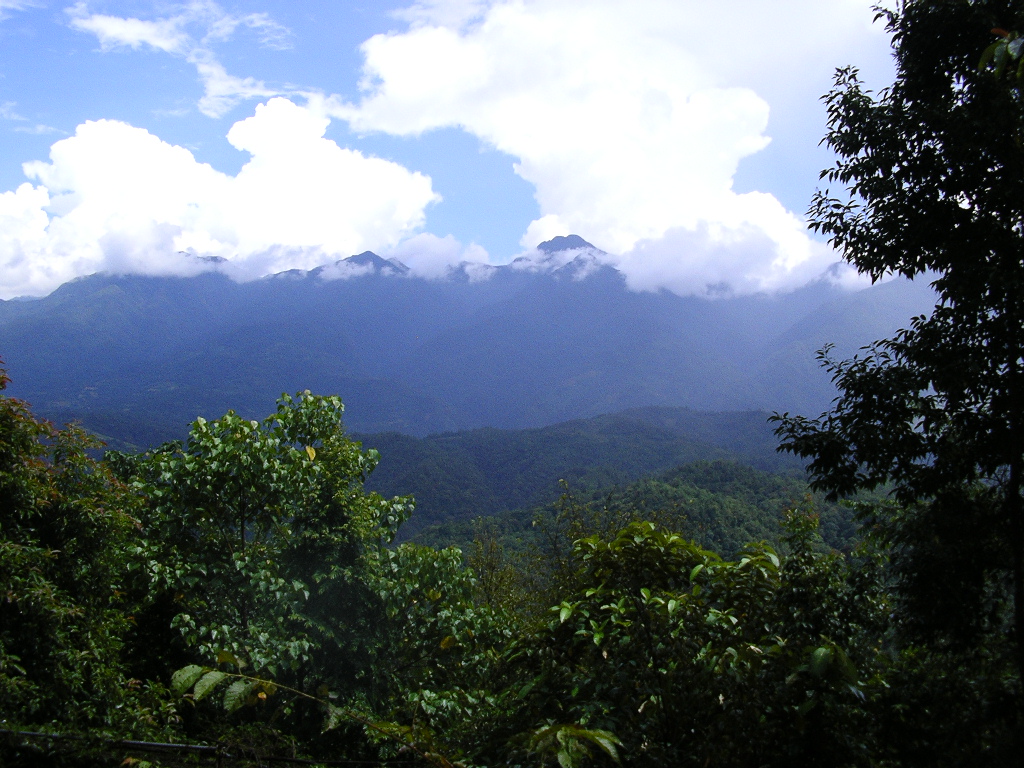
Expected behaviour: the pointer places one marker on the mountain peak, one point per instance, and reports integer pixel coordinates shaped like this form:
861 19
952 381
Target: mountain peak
372 262
564 243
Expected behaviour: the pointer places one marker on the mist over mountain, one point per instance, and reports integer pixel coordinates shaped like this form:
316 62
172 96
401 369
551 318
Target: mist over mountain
535 342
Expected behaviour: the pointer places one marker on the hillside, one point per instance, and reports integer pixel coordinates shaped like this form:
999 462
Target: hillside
523 345
463 475
722 505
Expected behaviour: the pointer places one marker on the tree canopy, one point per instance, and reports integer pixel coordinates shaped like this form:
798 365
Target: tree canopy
932 178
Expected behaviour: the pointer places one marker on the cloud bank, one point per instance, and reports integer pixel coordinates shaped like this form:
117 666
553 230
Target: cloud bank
115 197
630 119
432 257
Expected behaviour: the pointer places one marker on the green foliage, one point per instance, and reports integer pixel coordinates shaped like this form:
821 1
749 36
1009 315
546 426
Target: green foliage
720 504
694 660
457 476
932 170
66 529
1003 56
255 528
570 744
263 552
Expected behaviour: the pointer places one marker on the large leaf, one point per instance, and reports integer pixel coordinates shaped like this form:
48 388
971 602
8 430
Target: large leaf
237 694
185 678
207 683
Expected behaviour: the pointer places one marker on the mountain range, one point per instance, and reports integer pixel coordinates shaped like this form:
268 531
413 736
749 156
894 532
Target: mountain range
545 339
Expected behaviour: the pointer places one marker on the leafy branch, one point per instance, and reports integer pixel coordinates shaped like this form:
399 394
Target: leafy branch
247 690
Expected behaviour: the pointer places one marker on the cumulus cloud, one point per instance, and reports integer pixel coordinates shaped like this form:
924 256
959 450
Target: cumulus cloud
115 197
191 32
629 118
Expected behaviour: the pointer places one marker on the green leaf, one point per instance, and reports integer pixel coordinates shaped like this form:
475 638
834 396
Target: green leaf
185 678
607 741
820 660
1000 57
806 707
207 683
335 717
237 694
988 54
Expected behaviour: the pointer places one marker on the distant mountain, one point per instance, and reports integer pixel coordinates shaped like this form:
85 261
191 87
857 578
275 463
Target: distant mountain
542 340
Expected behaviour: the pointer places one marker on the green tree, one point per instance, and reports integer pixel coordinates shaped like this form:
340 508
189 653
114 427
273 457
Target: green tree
66 587
260 545
933 175
248 522
690 659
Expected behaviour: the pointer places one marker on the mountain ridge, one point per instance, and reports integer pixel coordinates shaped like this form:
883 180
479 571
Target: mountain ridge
555 338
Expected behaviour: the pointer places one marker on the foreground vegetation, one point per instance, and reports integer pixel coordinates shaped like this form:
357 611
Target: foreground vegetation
237 590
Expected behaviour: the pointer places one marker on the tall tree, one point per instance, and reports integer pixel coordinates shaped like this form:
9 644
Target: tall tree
256 527
933 170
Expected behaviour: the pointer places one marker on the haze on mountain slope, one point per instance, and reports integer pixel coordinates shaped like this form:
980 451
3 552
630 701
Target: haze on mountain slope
544 339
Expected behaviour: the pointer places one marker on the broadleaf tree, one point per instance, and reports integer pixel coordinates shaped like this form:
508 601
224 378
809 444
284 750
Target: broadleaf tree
67 590
931 177
258 534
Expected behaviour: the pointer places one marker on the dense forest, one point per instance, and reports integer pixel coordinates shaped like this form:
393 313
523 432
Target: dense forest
237 591
457 476
239 597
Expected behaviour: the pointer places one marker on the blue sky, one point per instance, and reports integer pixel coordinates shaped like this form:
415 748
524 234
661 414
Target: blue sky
678 135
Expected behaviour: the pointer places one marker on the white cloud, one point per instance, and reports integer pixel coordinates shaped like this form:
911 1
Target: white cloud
270 33
8 112
38 129
629 117
15 5
713 260
191 33
115 32
345 270
447 13
114 197
433 257
223 91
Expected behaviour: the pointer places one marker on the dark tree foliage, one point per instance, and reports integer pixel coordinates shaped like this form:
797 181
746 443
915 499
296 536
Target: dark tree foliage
66 589
933 176
692 660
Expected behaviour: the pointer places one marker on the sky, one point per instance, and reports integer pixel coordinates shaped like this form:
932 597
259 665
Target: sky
679 136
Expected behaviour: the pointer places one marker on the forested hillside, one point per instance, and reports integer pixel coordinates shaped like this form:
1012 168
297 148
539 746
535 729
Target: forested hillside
236 597
462 475
721 505
134 358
